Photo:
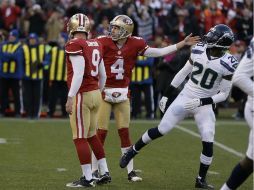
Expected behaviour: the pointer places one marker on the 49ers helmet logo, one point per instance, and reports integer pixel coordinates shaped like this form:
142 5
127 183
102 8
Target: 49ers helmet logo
116 94
127 21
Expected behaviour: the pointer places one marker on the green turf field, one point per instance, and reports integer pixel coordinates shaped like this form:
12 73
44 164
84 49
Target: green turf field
40 154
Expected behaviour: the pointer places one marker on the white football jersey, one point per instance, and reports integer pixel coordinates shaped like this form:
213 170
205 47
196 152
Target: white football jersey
243 76
208 72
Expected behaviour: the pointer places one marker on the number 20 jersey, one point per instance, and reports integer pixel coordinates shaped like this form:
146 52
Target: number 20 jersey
119 62
208 72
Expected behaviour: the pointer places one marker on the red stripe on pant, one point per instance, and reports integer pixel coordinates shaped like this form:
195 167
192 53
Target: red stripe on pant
81 116
83 151
97 147
76 115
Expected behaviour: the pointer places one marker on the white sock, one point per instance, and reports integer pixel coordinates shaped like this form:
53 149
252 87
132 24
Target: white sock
225 187
94 163
130 166
102 163
87 172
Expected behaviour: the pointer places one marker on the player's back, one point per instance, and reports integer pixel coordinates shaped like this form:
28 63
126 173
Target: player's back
119 62
92 53
208 72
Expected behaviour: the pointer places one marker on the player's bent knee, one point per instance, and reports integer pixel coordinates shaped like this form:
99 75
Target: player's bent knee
208 136
164 127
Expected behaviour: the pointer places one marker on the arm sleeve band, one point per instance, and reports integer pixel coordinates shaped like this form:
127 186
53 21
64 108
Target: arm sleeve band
78 65
225 87
206 101
102 75
182 74
158 52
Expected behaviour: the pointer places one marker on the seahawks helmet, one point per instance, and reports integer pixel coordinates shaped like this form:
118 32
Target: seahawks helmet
220 36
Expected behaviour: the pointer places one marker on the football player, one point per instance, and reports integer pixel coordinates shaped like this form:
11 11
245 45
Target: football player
120 51
211 68
85 77
243 78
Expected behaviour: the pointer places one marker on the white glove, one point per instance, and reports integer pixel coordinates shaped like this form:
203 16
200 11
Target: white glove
162 103
192 104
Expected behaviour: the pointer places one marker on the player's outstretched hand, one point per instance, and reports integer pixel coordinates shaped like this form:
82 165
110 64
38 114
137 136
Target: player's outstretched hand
189 40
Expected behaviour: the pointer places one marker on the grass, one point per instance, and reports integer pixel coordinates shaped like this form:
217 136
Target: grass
36 150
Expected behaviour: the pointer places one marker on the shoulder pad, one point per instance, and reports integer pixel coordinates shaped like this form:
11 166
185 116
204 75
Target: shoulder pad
229 62
74 47
199 48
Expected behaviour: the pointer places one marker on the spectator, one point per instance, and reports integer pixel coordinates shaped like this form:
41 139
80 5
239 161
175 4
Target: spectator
57 76
142 81
145 24
212 15
244 24
11 71
54 25
10 14
34 16
34 54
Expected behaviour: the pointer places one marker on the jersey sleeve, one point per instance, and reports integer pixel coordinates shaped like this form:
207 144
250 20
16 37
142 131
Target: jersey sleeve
141 45
74 47
229 64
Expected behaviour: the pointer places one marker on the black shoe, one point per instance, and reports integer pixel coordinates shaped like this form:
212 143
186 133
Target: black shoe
132 176
202 184
104 179
126 158
82 182
96 174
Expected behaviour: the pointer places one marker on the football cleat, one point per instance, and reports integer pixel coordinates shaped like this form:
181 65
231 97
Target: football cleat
126 158
202 184
104 179
82 182
96 174
132 176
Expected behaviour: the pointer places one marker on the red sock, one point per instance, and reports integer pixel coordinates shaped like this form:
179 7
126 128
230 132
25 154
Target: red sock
97 147
83 151
124 137
102 135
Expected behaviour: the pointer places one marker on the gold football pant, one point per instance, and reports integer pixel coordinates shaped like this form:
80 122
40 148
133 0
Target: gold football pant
121 112
85 111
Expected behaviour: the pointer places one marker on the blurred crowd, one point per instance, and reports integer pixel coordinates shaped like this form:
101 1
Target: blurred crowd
33 33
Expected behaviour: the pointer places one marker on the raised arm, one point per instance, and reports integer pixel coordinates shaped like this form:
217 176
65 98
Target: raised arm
158 52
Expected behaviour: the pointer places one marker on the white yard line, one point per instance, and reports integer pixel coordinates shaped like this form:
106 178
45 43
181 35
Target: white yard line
220 145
